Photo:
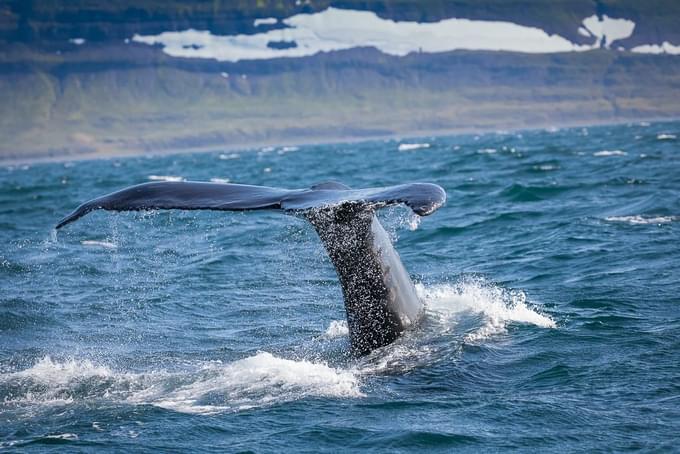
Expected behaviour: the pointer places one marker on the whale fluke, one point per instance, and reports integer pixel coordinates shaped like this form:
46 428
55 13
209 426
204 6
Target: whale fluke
422 198
380 299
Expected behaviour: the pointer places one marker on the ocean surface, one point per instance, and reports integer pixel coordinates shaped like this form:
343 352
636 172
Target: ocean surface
551 280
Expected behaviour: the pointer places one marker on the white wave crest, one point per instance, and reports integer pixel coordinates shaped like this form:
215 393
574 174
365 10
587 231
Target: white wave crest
666 137
211 387
610 153
499 307
412 146
256 381
66 436
638 219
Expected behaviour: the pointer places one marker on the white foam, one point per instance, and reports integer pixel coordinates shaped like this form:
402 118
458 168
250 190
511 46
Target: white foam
337 328
610 153
412 146
340 29
77 41
220 180
638 219
54 372
265 21
486 151
256 381
666 137
664 48
225 157
607 29
164 178
498 306
285 150
210 387
102 244
66 436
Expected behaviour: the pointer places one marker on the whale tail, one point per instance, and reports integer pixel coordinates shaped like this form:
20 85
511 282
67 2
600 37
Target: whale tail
422 198
380 299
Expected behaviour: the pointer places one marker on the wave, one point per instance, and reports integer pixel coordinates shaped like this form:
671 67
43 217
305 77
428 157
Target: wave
666 137
412 146
211 387
532 193
638 219
610 153
264 379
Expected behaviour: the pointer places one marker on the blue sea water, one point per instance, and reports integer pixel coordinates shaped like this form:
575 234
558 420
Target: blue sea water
550 278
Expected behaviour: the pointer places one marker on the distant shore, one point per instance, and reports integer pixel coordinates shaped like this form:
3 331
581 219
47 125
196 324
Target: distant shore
113 153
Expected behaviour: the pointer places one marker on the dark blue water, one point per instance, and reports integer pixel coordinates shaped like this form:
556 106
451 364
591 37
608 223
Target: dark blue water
551 279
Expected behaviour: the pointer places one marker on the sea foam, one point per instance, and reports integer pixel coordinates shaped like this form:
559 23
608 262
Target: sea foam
209 387
499 307
412 146
638 219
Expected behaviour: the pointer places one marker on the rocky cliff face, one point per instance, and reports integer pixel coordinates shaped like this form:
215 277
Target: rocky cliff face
70 83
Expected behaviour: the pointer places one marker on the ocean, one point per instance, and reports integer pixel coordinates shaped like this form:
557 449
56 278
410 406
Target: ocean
550 279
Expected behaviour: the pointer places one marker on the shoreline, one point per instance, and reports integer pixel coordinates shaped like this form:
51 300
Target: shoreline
321 140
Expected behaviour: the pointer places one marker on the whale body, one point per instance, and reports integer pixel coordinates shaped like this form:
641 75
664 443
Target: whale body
379 295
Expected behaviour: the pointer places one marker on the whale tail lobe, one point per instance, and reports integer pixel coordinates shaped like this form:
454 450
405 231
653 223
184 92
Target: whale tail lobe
422 198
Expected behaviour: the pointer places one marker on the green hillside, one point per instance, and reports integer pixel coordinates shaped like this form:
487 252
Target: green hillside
57 98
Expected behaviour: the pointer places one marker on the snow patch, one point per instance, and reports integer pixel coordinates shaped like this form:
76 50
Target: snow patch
607 30
339 29
664 48
265 21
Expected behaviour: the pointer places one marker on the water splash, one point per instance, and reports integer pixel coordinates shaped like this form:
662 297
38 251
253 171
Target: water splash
499 307
207 388
337 328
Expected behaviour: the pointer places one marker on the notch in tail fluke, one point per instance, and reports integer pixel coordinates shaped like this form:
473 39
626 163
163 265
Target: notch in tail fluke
422 198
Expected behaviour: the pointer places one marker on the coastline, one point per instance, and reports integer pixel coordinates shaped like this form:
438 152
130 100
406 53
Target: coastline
250 146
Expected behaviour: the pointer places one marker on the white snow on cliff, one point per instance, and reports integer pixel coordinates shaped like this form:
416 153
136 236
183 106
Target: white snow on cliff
339 29
665 48
608 30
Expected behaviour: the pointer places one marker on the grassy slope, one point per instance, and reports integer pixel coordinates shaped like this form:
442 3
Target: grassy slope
57 98
112 100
